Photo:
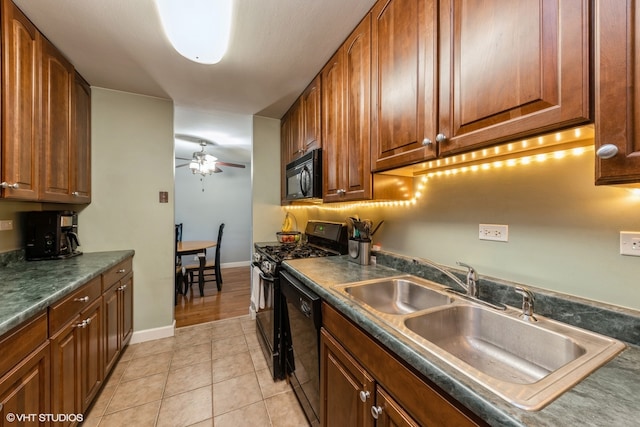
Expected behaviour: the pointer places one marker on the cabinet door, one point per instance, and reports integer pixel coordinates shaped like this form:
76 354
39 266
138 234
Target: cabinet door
291 137
126 310
390 413
20 143
356 158
403 90
346 389
111 330
65 369
510 69
311 114
81 144
26 388
332 129
57 83
617 89
91 353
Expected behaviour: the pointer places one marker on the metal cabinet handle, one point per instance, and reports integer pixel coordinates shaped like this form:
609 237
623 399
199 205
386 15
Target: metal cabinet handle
341 192
75 193
7 185
122 270
364 395
607 151
82 299
441 137
122 288
426 142
82 324
376 411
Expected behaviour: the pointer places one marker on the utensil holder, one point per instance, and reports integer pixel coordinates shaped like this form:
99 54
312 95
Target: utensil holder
360 251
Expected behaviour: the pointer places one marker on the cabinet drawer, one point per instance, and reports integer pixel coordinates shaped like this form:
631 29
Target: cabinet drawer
62 311
18 343
116 273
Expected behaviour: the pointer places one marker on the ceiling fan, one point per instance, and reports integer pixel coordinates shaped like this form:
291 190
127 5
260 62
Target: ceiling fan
204 163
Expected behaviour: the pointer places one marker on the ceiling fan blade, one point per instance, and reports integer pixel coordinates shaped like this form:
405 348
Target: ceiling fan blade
181 166
217 169
233 165
183 158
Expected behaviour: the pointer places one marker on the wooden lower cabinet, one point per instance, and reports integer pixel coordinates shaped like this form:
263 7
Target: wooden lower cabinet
361 380
118 318
25 366
56 362
342 383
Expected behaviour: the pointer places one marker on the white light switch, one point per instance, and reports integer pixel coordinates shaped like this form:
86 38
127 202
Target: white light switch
630 243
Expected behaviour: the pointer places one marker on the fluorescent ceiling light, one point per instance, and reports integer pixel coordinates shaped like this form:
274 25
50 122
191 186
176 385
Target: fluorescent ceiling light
198 29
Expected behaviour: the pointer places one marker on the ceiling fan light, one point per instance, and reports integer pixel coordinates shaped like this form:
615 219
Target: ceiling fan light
194 166
209 158
199 30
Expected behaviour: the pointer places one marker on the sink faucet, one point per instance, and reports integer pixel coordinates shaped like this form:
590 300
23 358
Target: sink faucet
527 304
472 280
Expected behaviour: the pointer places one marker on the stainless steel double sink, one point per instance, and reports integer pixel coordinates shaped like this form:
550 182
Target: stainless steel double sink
527 364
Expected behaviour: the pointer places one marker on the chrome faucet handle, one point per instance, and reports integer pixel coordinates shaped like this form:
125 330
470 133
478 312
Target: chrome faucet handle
527 303
472 279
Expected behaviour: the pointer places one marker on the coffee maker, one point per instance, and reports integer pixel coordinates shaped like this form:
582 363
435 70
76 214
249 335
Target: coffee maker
51 235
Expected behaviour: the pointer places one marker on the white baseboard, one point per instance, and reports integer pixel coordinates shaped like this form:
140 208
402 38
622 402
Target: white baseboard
153 334
235 264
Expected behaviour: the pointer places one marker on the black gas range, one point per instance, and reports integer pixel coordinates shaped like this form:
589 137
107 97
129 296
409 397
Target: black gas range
322 239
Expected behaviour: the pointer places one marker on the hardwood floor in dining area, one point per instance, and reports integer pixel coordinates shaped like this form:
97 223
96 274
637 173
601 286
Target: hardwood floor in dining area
232 301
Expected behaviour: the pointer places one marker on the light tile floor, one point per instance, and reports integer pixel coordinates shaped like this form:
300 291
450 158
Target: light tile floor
208 374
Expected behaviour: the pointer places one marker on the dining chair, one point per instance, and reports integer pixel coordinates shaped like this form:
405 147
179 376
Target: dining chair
207 271
180 278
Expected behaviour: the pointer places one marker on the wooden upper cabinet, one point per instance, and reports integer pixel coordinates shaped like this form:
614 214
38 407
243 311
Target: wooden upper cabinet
332 126
57 84
81 142
346 116
291 133
617 90
19 161
403 108
511 69
311 116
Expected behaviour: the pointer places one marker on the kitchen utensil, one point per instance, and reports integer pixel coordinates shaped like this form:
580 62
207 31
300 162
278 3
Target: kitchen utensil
377 226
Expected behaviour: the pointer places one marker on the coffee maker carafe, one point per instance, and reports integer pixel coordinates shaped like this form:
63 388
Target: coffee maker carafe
51 235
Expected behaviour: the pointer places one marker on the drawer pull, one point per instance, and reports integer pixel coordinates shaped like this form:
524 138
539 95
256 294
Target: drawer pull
122 270
376 411
82 299
364 395
122 288
86 322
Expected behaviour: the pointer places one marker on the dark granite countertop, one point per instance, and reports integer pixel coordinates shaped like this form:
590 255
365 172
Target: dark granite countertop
606 397
28 287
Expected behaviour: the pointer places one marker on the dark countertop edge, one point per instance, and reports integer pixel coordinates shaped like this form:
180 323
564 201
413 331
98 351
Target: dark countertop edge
38 307
482 402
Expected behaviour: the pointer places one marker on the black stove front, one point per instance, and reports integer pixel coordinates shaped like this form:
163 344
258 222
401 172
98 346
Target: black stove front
324 239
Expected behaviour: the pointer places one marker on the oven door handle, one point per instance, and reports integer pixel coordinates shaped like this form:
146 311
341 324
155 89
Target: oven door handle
267 279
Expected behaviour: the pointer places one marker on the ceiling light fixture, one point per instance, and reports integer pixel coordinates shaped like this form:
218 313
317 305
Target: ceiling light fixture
199 30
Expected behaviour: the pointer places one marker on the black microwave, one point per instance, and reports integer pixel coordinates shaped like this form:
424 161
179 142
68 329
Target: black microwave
304 177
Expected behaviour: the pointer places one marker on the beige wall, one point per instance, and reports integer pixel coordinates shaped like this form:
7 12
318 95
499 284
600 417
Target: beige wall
266 212
563 230
132 160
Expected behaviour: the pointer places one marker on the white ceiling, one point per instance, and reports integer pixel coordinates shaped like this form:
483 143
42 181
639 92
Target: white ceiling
277 47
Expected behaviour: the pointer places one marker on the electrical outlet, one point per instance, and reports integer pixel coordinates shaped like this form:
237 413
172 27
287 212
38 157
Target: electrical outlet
495 232
6 225
630 243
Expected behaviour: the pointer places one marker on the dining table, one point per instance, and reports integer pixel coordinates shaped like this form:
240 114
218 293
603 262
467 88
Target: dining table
190 247
196 247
